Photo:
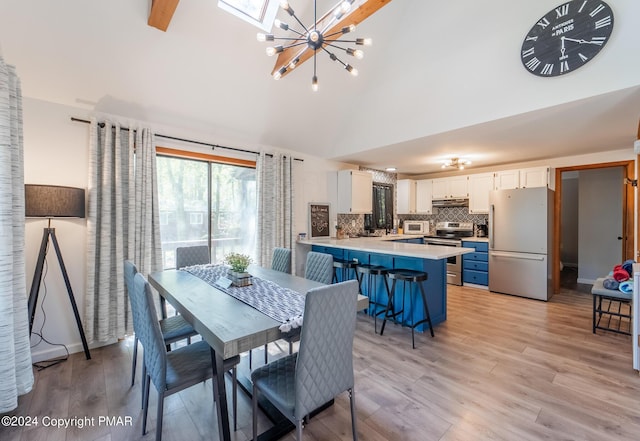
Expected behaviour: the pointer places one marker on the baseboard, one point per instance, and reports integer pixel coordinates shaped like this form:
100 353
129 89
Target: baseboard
473 285
49 352
586 281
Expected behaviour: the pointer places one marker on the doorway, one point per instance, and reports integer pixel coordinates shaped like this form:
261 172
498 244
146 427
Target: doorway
601 227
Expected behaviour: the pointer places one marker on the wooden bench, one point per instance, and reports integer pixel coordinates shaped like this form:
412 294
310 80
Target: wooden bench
610 306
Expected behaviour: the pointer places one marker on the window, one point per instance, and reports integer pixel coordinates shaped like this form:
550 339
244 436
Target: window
382 206
195 218
206 203
260 13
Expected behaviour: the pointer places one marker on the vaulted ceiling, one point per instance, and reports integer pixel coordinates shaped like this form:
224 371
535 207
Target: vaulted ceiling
442 79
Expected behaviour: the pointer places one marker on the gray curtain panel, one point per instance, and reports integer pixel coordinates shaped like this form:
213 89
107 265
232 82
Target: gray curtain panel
122 223
275 177
16 374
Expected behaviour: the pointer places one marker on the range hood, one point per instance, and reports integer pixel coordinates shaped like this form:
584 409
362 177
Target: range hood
450 203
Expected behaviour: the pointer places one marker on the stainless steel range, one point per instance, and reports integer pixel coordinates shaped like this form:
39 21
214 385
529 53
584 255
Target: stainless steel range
450 234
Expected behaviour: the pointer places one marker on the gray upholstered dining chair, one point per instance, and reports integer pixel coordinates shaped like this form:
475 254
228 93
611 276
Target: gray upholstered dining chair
196 255
319 267
281 260
173 329
172 371
323 368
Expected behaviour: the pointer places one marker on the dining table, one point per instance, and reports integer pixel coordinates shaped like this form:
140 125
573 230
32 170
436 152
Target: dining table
230 326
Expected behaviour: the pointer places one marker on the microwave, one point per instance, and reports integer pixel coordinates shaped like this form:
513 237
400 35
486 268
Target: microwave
416 227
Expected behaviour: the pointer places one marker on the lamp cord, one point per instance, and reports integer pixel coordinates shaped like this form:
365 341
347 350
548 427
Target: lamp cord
40 365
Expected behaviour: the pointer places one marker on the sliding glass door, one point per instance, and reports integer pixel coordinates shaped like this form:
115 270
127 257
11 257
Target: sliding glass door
206 203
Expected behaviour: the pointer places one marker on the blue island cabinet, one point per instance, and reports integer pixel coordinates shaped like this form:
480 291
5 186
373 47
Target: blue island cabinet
475 266
435 287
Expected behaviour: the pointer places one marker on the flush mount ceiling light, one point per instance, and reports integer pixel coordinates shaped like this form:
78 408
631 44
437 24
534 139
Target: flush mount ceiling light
324 35
458 163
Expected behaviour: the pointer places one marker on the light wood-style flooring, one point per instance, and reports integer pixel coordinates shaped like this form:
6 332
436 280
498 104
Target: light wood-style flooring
500 368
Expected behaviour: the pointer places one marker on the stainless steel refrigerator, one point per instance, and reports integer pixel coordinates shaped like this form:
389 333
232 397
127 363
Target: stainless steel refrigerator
520 242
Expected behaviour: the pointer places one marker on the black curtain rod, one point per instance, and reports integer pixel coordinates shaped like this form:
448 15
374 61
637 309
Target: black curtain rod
213 146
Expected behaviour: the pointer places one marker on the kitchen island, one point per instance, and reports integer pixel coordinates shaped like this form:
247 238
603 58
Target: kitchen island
388 252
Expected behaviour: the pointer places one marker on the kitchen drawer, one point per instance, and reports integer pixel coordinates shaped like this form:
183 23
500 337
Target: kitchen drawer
477 277
479 246
475 265
483 257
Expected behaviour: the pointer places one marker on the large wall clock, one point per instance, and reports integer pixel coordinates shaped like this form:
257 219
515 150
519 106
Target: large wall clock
567 37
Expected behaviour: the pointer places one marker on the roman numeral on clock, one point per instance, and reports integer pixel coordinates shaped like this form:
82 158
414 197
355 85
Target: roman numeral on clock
533 64
583 57
606 21
596 11
547 69
582 7
529 52
562 10
544 23
564 66
598 40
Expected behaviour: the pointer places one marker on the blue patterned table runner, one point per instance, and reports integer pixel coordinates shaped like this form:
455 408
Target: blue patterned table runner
281 304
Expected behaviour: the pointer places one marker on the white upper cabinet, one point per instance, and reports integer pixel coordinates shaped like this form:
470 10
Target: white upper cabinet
523 178
355 192
507 180
424 188
451 188
406 203
535 177
479 187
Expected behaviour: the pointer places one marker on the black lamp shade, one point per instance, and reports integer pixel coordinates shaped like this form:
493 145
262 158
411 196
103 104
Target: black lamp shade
53 201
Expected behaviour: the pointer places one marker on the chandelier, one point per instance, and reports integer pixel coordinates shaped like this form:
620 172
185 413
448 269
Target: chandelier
324 35
455 163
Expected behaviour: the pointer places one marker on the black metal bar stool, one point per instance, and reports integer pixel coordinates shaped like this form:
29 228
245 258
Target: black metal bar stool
411 276
371 271
343 265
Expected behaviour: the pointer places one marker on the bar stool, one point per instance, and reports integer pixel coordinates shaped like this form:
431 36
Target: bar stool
345 266
371 271
411 276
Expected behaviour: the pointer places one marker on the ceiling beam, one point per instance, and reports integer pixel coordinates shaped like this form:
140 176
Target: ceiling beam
355 16
161 13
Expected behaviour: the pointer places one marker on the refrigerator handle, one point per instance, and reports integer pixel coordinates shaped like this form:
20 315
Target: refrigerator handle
491 225
538 257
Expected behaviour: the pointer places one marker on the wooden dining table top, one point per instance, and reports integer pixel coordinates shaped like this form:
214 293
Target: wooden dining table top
229 325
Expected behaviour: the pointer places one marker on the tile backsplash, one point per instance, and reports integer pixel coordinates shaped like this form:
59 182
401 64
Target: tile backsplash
353 224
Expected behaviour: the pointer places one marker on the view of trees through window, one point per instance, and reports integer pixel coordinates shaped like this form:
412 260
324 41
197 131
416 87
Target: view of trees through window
204 203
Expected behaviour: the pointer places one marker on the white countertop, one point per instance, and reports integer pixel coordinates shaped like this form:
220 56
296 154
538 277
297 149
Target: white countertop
385 245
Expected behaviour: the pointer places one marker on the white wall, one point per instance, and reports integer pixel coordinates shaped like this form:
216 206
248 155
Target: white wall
569 222
600 222
55 153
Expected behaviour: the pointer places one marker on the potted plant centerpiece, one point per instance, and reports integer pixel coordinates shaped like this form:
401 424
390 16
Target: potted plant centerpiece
238 268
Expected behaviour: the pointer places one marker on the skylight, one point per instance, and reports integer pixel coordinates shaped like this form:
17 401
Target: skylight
260 13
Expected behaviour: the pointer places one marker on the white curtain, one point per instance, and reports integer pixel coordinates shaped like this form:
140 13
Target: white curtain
276 194
16 374
122 223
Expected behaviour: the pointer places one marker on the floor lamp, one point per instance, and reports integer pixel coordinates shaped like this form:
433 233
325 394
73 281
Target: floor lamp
49 201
